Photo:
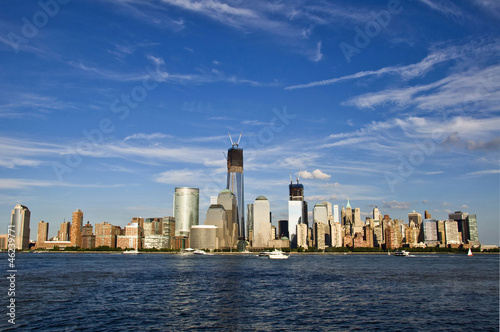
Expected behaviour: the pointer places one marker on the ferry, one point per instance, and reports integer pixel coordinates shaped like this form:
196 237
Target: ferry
128 252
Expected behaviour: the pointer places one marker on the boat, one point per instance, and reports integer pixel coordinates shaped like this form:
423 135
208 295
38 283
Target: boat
128 252
277 254
264 254
470 253
200 252
402 253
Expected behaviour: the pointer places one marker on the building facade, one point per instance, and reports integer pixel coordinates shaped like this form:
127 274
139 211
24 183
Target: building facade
186 209
20 226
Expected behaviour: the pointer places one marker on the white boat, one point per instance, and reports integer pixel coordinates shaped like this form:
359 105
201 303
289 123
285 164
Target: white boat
277 254
264 254
200 252
131 252
402 253
470 253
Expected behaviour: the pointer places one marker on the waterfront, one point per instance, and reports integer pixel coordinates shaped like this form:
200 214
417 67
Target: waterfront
99 292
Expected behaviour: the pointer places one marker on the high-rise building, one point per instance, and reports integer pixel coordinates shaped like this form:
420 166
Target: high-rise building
473 233
105 234
452 235
20 226
43 233
228 200
319 232
430 227
297 211
235 182
186 209
88 237
64 231
250 222
283 229
376 214
336 214
302 236
217 216
76 228
132 237
414 219
203 237
320 213
261 222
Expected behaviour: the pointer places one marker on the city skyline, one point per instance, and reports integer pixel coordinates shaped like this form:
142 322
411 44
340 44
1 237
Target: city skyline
108 106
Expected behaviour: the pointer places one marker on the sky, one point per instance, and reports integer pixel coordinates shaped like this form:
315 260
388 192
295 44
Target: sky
107 106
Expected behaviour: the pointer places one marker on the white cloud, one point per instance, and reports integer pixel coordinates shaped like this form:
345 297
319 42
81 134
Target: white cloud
146 136
485 172
316 174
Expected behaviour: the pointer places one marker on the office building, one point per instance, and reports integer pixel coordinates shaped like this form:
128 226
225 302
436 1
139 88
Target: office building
235 183
42 234
203 237
297 211
228 200
376 214
414 219
217 216
453 238
20 226
473 232
336 217
320 213
283 229
261 223
76 228
302 236
186 209
430 228
319 232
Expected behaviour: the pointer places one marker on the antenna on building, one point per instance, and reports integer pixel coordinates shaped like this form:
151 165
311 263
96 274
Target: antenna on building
239 139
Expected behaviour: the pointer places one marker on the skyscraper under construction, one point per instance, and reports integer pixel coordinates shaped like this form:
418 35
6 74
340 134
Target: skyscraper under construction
235 182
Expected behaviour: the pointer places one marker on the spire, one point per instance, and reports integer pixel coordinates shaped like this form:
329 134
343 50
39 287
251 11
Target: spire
348 205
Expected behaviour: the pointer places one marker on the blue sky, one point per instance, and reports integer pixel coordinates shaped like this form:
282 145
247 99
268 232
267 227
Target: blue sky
107 106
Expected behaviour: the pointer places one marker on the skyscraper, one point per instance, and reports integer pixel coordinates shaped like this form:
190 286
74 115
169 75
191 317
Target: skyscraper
186 209
20 223
297 211
261 222
76 228
235 182
43 232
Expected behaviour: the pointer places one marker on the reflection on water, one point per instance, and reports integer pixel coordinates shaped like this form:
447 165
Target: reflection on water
66 292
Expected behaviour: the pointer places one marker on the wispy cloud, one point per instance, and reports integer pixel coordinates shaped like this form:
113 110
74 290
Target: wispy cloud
405 72
141 136
485 172
396 205
28 183
473 88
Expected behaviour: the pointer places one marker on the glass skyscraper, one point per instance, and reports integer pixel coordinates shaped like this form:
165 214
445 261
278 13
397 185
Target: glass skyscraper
186 209
20 226
235 184
297 211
